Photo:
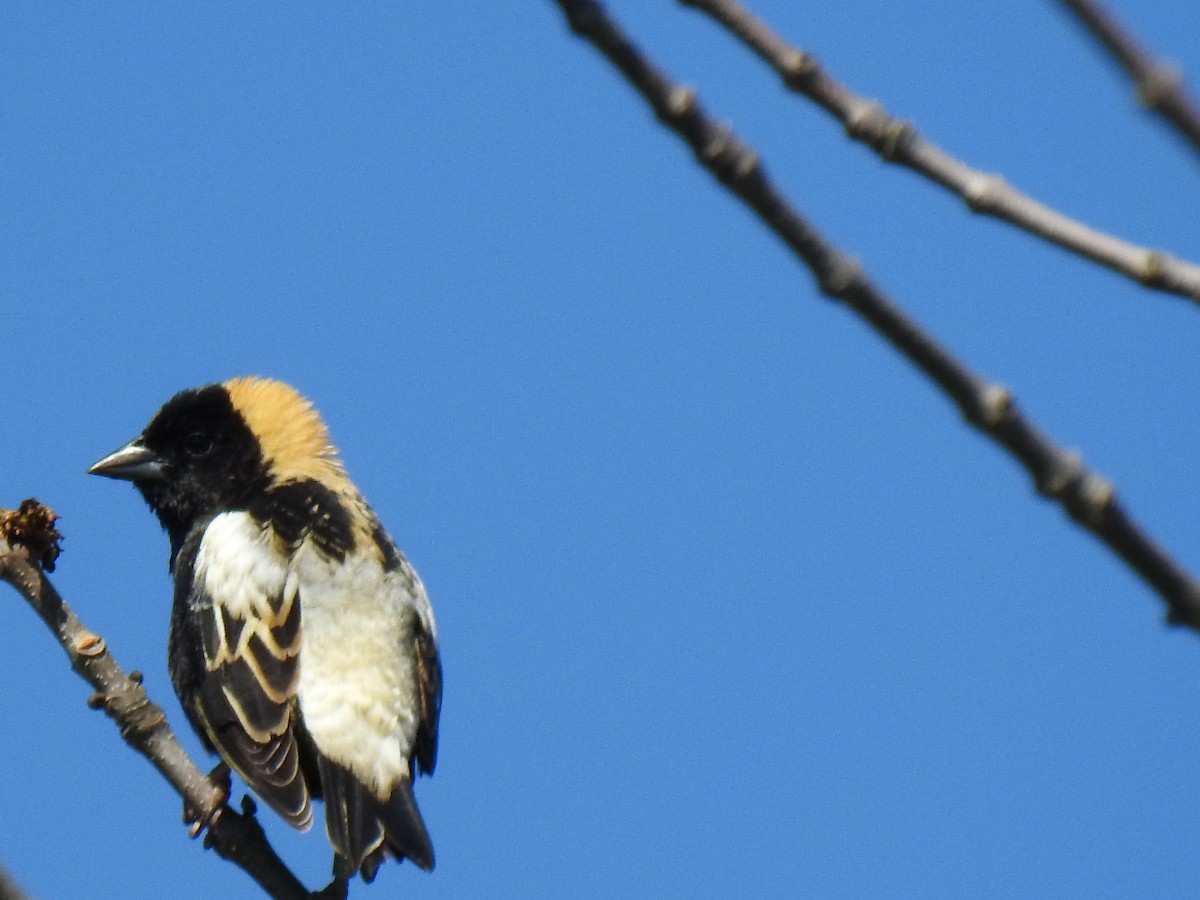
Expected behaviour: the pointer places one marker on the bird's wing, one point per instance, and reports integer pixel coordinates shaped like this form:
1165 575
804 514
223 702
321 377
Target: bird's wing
421 642
247 610
429 684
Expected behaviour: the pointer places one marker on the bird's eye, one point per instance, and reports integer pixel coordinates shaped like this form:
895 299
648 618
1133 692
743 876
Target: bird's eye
197 444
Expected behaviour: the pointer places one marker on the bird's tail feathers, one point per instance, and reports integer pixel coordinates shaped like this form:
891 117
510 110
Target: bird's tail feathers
364 830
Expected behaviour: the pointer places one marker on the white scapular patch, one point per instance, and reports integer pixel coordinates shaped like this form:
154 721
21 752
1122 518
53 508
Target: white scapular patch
238 567
358 691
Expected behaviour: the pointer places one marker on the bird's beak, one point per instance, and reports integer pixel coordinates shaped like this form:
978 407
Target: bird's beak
133 462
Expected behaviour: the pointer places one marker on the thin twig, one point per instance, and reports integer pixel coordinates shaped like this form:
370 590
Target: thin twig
235 837
1057 473
1159 84
9 889
897 141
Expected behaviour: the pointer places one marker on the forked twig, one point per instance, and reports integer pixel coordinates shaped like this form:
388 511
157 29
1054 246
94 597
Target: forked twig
897 141
1057 473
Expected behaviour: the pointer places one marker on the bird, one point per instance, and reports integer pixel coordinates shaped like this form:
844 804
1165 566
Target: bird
302 644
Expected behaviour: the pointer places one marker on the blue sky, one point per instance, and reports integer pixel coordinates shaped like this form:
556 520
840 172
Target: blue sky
732 604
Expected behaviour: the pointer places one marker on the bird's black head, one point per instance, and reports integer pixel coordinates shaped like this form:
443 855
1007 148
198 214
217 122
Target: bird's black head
195 458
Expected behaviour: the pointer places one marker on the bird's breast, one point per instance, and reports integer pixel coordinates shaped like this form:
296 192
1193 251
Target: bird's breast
358 692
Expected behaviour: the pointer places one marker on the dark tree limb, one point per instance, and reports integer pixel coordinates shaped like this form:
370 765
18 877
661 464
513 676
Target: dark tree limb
1159 84
1058 474
897 141
9 889
28 542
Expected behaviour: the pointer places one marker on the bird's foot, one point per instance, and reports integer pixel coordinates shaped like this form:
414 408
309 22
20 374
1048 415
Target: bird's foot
335 890
220 779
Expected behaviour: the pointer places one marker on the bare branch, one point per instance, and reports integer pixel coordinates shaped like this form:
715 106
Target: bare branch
1159 84
1057 473
9 889
27 540
898 142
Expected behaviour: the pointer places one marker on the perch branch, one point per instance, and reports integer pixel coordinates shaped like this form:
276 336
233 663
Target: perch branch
1058 474
9 889
29 544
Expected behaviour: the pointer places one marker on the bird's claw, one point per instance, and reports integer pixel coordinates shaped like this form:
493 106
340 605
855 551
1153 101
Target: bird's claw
335 890
197 822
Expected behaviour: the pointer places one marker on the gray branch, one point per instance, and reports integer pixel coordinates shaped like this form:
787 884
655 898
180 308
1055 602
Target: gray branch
9 889
897 141
236 837
1058 474
1159 84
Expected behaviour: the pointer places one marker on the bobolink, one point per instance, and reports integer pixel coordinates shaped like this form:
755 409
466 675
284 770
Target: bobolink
302 644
